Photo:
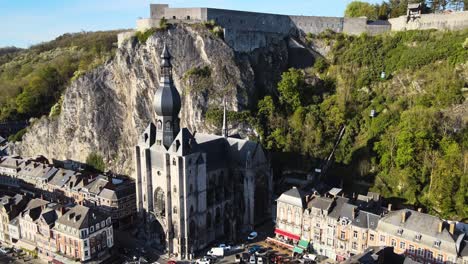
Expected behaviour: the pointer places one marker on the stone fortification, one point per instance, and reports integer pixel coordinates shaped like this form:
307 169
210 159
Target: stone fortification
246 31
451 21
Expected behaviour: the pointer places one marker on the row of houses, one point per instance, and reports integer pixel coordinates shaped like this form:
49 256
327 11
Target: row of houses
54 232
339 228
111 195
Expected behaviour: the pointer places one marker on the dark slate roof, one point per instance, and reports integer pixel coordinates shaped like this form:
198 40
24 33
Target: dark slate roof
97 184
322 203
216 149
166 99
184 144
2 140
49 216
366 220
81 217
336 211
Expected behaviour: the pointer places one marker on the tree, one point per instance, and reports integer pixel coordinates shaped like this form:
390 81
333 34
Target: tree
95 161
359 9
292 89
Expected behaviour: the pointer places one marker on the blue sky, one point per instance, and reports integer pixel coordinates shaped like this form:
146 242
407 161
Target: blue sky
27 22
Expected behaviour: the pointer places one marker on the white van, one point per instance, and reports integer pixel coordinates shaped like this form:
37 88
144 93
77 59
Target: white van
216 252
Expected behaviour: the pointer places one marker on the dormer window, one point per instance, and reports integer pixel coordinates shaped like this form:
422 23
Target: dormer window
437 244
400 231
418 237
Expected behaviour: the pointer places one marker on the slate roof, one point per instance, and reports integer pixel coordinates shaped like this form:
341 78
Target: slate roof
108 194
417 223
293 196
365 219
336 211
62 177
2 140
184 143
216 149
97 185
81 217
322 203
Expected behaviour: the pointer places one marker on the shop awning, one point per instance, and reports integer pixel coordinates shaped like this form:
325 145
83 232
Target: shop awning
286 234
303 243
298 250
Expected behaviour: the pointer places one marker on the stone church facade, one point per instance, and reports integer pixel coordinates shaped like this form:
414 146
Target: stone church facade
193 188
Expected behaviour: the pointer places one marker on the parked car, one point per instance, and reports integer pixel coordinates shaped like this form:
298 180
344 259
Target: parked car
225 246
252 259
5 250
203 261
309 257
216 252
238 258
261 252
171 262
252 235
254 249
259 260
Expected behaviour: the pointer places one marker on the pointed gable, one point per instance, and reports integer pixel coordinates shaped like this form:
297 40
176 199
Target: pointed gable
148 137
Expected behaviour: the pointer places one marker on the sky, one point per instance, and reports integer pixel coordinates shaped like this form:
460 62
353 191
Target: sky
27 22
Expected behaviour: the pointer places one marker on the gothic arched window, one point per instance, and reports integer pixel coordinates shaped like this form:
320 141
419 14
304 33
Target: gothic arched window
159 202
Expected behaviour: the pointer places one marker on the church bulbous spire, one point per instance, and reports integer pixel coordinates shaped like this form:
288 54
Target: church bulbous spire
166 99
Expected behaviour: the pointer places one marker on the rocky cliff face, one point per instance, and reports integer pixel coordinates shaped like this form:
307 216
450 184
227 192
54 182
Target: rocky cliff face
106 110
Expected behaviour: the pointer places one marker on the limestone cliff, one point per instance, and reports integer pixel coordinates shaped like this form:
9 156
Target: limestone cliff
106 109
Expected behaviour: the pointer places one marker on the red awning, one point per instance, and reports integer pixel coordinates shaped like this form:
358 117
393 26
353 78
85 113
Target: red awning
286 234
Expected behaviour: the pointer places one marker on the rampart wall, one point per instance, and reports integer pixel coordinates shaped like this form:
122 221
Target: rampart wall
453 21
245 31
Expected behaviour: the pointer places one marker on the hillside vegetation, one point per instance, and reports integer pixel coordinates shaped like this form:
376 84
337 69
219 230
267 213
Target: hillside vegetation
411 149
33 80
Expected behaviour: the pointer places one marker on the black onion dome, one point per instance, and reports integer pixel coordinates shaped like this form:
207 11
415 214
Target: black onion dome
166 99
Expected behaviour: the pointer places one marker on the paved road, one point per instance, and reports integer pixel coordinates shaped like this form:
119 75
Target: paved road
9 259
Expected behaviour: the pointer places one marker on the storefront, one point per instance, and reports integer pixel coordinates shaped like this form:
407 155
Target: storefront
287 236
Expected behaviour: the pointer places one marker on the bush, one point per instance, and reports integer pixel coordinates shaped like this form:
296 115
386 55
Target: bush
143 36
18 136
96 161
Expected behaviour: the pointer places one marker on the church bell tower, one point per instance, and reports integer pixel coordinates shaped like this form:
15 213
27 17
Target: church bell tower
167 104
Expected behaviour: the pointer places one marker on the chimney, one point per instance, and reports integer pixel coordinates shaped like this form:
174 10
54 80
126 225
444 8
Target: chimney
403 216
390 207
452 228
354 212
441 226
307 198
420 209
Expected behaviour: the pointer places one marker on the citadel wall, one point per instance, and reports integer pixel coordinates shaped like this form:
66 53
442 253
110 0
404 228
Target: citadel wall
246 31
453 21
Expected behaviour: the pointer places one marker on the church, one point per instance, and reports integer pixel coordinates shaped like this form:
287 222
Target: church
194 188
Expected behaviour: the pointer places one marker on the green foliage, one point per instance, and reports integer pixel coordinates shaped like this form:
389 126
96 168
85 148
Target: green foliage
321 65
143 36
202 72
96 161
18 136
198 79
32 80
214 116
214 28
163 23
359 9
413 148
